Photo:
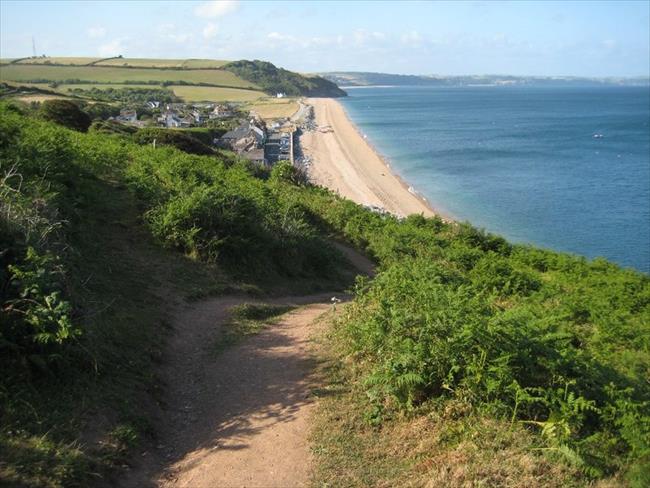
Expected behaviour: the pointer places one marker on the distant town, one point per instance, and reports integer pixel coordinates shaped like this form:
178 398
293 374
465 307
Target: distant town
251 137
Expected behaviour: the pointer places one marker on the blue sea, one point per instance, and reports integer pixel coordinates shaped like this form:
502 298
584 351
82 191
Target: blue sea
523 162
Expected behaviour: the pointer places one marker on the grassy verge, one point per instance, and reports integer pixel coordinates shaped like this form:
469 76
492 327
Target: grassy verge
248 319
436 444
71 427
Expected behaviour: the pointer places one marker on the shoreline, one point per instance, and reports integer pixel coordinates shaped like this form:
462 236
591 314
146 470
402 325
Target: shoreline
343 160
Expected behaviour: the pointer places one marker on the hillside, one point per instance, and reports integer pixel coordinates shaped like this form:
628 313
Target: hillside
278 80
465 361
192 79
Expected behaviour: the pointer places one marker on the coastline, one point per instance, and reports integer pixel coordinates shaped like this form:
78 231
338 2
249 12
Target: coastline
344 161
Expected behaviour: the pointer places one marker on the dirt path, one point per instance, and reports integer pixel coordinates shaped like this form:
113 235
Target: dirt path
239 418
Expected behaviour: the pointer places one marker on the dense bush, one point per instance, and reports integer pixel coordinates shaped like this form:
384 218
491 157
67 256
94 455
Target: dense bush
551 340
225 214
66 113
179 139
127 95
101 111
112 127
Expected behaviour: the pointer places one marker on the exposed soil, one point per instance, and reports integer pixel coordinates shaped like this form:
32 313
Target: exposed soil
238 418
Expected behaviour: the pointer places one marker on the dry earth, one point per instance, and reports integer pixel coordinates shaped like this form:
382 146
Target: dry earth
239 418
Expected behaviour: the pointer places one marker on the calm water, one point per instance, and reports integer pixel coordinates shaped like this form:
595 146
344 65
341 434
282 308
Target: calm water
522 161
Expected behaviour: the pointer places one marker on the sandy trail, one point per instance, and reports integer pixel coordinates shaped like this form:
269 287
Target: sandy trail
239 418
343 161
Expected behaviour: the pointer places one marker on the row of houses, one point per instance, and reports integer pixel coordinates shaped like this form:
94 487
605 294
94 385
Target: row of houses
178 115
182 115
253 141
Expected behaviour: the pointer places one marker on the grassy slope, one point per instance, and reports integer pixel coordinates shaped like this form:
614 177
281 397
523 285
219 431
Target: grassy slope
165 63
215 94
72 61
275 108
20 72
453 447
392 419
132 62
69 425
126 284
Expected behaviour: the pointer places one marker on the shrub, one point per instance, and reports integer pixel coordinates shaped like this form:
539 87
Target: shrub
66 113
176 138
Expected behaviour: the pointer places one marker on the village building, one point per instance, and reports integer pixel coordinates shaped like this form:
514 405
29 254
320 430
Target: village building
256 156
128 115
220 112
277 147
246 137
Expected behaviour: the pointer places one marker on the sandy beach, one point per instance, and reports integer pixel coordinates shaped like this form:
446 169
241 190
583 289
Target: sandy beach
343 161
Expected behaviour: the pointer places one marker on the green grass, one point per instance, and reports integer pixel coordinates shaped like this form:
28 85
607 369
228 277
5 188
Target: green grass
215 94
164 63
275 108
73 61
452 447
23 73
127 284
187 93
90 86
248 319
510 364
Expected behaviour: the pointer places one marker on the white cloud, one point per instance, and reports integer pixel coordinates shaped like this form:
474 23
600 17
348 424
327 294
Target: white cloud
166 27
362 37
96 32
216 8
412 38
210 30
276 36
180 38
112 48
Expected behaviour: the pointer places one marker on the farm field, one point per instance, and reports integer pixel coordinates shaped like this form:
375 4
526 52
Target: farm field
41 97
165 63
89 86
73 61
130 62
26 72
274 108
215 94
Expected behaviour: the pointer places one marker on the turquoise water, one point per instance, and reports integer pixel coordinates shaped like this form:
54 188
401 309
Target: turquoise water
522 161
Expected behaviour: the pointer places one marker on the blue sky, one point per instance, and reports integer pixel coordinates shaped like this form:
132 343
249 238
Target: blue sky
521 38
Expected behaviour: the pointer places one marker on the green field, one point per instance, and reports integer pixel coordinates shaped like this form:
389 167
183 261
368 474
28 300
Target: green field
88 86
73 61
130 62
26 72
187 93
215 94
275 108
268 109
164 63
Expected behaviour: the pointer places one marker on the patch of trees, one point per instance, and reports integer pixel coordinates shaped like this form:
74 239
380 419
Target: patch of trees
127 96
274 80
66 113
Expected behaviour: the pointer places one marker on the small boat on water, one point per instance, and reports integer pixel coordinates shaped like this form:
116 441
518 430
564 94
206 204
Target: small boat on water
598 136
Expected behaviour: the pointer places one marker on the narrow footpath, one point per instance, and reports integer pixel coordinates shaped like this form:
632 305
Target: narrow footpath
239 418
